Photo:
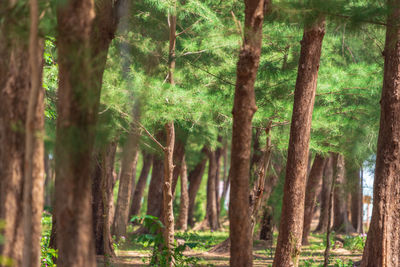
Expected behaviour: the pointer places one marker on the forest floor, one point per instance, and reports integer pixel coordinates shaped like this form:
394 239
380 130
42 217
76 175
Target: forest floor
202 241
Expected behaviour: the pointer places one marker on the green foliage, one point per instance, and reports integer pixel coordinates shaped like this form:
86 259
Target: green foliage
48 254
355 243
154 238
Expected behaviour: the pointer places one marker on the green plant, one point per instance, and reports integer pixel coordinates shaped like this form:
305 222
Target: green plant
355 242
342 263
48 254
154 238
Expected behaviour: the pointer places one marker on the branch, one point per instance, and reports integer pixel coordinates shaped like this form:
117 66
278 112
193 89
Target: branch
150 135
188 28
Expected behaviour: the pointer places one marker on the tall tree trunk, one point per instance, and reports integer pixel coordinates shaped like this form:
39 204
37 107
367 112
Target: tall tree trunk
341 222
17 125
195 176
102 190
78 103
244 108
291 226
34 147
179 152
184 203
218 154
383 243
211 210
155 194
311 194
141 185
356 199
325 192
256 195
80 47
128 167
49 182
168 218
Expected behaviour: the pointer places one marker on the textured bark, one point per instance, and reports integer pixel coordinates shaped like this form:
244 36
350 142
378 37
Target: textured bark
311 194
267 227
211 210
168 213
15 127
128 167
179 152
383 243
291 226
334 158
325 192
256 196
83 42
244 107
184 202
34 147
102 190
141 185
195 176
341 222
155 195
353 175
77 113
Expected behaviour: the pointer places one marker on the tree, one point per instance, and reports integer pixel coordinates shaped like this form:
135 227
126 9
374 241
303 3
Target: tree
211 210
21 153
382 244
141 184
195 176
184 203
325 193
341 222
291 226
78 100
311 194
244 107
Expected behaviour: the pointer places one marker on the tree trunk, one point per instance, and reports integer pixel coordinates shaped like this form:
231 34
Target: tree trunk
341 222
325 192
291 226
34 148
128 167
168 218
211 210
141 185
179 152
218 154
155 195
15 90
256 196
184 205
195 176
78 103
383 244
311 195
244 108
102 191
356 199
49 183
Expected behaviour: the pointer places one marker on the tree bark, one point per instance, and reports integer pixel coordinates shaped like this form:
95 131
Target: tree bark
78 103
218 154
21 131
195 176
128 167
184 205
155 194
291 226
168 218
383 243
325 192
211 210
341 222
179 152
102 189
311 194
356 198
141 185
244 108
